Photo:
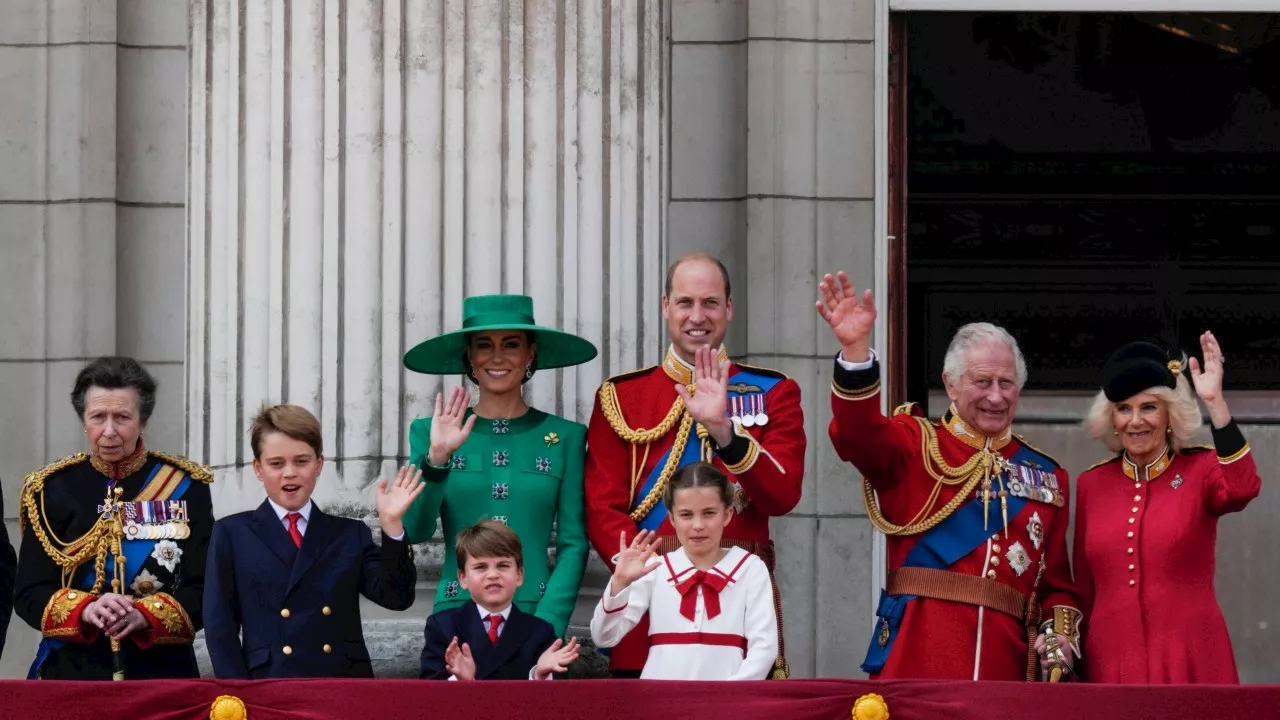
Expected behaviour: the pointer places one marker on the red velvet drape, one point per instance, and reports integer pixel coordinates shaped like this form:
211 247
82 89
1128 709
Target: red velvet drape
625 699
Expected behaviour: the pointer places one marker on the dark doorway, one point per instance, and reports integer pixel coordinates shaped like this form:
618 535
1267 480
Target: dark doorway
1089 179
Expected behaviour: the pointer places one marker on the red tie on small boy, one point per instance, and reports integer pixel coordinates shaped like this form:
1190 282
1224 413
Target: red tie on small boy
712 584
494 622
294 517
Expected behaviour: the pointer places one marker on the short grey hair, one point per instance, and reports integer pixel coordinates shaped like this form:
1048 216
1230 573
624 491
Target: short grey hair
956 361
1184 416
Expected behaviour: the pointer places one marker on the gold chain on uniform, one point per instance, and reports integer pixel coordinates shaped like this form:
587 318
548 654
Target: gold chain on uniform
101 539
976 469
613 413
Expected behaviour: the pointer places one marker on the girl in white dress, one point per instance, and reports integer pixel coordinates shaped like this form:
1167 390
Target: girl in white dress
710 608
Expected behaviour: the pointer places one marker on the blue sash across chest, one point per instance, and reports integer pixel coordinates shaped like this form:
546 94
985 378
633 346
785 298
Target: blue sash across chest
136 552
744 384
954 538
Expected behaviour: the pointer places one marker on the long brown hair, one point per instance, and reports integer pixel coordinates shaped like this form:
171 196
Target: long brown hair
696 475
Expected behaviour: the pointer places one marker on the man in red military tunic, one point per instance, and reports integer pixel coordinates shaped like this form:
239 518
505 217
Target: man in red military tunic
695 406
978 567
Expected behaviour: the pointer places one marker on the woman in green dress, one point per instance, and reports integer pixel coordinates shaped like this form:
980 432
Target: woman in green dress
502 459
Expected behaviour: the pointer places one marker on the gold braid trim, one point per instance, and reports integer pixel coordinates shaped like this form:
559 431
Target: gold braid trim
34 481
67 555
973 472
203 473
669 469
613 413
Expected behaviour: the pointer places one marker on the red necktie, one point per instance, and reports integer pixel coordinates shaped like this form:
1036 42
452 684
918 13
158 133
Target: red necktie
293 518
712 584
494 622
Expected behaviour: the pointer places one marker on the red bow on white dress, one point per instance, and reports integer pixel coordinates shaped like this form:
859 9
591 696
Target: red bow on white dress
712 584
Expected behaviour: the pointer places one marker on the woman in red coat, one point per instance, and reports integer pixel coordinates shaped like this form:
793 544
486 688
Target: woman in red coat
1147 521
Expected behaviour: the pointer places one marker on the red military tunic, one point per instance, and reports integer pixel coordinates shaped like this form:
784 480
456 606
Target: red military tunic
1144 561
942 639
766 461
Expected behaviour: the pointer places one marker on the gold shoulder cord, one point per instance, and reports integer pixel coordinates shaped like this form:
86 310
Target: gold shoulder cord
192 469
96 543
613 413
971 474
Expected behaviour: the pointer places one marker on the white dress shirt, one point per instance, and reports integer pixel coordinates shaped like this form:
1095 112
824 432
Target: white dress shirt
505 613
305 512
853 366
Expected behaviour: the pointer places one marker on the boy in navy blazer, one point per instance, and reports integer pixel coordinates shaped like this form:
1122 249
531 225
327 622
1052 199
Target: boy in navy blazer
290 575
489 638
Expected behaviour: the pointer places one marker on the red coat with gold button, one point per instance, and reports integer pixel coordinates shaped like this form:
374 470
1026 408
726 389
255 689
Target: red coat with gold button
939 639
767 463
1144 561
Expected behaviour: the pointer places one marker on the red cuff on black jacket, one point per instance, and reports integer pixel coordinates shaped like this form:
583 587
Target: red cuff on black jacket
1230 443
62 615
855 384
168 621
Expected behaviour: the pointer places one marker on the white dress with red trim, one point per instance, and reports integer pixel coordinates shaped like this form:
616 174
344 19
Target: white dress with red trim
716 624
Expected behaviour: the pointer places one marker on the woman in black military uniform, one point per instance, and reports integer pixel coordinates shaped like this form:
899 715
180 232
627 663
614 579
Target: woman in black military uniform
111 566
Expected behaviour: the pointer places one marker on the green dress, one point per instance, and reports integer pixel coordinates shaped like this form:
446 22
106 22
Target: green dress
526 472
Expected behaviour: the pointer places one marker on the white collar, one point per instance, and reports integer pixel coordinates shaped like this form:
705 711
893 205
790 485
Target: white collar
305 511
506 612
680 564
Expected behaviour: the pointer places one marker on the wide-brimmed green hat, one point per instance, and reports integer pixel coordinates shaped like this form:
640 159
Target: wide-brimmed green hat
443 354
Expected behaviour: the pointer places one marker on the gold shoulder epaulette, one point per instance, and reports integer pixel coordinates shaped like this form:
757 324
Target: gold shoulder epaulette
194 470
35 479
630 375
1198 448
767 372
1099 464
33 483
908 408
1033 447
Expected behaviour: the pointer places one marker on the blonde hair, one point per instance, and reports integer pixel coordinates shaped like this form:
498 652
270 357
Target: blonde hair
290 420
1184 416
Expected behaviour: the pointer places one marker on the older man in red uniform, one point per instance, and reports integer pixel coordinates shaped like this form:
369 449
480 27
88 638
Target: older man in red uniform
694 406
978 565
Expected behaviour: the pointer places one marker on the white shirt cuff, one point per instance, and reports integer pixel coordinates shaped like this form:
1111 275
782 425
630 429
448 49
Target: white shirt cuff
395 537
614 603
533 674
854 367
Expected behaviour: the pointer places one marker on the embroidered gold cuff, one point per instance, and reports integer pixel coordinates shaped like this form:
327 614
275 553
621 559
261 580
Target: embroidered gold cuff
61 617
168 621
1229 443
1234 456
860 394
748 459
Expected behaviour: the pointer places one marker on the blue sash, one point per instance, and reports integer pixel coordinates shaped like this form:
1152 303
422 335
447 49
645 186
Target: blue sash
744 383
952 539
136 553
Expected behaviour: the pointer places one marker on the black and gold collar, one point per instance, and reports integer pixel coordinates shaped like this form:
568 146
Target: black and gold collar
972 437
680 371
1152 471
124 468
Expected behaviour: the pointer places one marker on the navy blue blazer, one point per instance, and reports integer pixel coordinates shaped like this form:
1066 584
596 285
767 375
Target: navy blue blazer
299 607
523 640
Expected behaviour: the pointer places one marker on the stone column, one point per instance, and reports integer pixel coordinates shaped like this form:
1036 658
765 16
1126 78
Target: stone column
91 263
357 167
773 168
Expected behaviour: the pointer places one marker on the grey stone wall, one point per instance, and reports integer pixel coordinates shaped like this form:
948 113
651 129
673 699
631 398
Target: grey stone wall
772 169
92 169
